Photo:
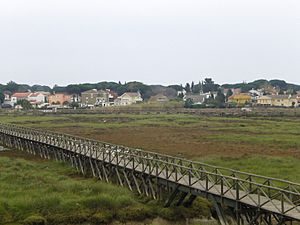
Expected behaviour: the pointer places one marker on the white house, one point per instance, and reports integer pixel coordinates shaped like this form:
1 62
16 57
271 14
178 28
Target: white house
38 98
19 96
200 97
75 98
128 98
6 96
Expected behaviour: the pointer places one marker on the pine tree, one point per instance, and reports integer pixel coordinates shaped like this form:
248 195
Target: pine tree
228 94
192 87
187 88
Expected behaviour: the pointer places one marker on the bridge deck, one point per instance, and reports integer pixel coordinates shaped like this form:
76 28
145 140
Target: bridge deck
249 199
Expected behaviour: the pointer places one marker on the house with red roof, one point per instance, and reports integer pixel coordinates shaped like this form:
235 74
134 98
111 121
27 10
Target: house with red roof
19 96
36 98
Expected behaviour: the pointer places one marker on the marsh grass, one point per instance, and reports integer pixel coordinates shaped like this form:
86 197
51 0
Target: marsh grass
286 168
278 133
54 192
270 132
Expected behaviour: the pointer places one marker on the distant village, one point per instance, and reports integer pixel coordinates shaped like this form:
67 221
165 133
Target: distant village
237 98
205 94
88 99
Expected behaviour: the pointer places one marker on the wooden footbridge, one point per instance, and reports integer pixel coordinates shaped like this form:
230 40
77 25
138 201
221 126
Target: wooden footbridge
249 198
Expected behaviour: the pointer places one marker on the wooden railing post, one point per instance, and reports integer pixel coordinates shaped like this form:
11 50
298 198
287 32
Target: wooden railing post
222 186
250 184
206 182
282 202
176 174
237 189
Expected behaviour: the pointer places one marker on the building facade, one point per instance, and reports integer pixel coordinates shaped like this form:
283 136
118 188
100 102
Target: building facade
128 98
19 96
159 98
38 98
240 99
278 100
95 98
59 99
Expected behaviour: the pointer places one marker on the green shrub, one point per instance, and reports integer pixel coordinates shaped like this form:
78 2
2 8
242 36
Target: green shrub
200 207
102 201
102 217
35 220
46 203
13 224
169 214
4 214
134 213
69 218
124 201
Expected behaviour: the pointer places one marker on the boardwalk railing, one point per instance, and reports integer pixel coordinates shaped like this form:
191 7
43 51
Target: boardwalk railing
253 197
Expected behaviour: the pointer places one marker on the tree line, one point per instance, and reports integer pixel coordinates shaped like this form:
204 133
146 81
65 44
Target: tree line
146 90
205 86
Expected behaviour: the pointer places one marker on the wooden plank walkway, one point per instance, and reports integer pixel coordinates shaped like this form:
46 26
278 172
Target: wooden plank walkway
253 200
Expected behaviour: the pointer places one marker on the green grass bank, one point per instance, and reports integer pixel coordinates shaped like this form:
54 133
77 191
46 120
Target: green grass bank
37 192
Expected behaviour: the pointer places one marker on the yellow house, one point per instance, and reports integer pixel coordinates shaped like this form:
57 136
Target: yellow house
278 100
265 100
240 99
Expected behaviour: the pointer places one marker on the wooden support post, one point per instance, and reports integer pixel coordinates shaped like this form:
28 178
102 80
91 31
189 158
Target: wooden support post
92 167
136 183
172 197
98 170
181 198
127 180
219 210
190 201
81 165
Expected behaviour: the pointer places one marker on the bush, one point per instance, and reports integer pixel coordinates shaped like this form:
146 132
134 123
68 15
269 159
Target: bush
188 103
123 201
35 220
136 213
232 105
102 217
44 204
26 105
102 201
4 215
169 214
71 218
200 207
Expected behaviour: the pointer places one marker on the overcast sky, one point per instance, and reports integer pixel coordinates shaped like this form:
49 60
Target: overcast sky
153 41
